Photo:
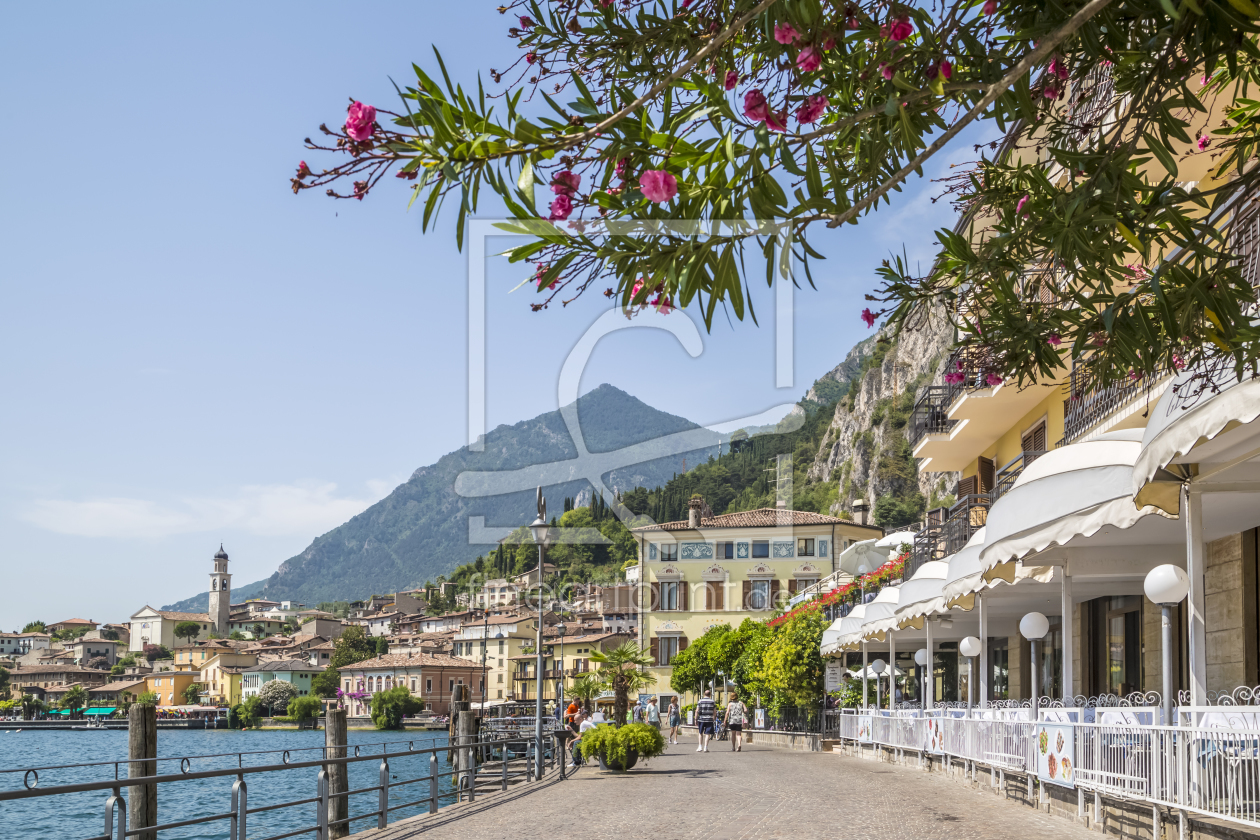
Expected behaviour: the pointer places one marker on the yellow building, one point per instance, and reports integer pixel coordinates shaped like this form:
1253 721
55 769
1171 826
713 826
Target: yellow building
169 686
506 636
712 570
193 657
221 678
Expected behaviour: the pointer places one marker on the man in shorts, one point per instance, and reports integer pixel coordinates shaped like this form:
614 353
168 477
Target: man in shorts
706 712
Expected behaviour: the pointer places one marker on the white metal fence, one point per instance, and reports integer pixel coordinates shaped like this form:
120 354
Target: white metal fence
1209 766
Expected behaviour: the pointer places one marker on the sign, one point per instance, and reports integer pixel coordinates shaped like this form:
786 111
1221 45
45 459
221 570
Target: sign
835 672
691 717
865 729
759 719
1055 746
933 737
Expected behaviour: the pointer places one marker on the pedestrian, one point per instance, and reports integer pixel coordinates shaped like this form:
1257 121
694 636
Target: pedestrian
577 725
736 714
675 720
653 715
638 712
706 712
572 711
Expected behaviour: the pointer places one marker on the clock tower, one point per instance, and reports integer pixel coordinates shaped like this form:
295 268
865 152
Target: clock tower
220 593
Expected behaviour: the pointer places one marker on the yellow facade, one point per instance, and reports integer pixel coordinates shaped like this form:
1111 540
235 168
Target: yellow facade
169 686
730 568
222 687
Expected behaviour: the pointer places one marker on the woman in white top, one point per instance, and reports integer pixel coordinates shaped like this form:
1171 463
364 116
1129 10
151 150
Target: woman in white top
736 714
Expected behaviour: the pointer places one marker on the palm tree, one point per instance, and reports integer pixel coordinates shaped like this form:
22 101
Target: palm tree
622 670
31 706
75 698
585 688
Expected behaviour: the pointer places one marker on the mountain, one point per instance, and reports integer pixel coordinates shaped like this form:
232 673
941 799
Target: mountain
422 529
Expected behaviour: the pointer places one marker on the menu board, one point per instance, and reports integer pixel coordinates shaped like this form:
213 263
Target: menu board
864 728
933 738
759 719
834 674
1055 745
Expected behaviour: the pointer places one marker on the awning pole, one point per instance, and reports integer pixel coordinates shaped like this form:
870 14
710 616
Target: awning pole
1196 564
1065 627
892 670
864 674
930 686
984 651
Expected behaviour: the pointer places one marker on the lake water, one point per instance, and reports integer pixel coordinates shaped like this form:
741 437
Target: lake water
81 815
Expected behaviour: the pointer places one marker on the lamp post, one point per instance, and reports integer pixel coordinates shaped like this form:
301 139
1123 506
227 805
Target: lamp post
1167 586
862 570
921 660
485 647
539 528
970 648
560 628
1034 627
878 667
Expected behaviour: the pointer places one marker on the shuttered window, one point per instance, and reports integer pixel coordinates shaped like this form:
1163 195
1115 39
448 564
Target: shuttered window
1034 440
714 596
669 551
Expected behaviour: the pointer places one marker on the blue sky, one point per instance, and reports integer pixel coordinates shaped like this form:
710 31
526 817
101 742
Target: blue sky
192 354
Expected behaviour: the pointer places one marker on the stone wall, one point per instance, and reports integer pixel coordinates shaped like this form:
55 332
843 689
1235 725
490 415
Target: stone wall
1229 608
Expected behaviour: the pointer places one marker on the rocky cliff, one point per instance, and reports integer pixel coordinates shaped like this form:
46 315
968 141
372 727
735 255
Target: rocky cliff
865 449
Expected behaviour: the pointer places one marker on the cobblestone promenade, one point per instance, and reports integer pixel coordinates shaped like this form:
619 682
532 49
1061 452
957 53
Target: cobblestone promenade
758 793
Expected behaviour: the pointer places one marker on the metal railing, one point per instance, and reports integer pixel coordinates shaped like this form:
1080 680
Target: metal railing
941 539
1089 404
479 770
931 413
1006 476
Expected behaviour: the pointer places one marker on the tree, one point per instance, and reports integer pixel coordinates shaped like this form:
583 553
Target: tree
236 636
35 627
691 667
382 645
99 663
353 646
391 706
147 698
155 652
326 683
189 630
75 698
259 632
814 114
192 694
277 693
109 635
248 713
4 683
586 687
304 708
118 670
31 706
791 665
623 670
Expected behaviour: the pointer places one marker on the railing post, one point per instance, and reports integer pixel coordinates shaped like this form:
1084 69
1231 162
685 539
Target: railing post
335 740
321 806
142 744
504 755
240 807
433 783
115 804
382 813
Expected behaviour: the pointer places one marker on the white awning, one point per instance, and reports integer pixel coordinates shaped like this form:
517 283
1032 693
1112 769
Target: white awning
967 575
892 542
842 627
921 594
856 673
872 622
1073 491
1211 424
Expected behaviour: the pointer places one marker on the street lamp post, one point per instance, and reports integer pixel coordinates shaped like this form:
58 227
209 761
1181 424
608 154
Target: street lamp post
560 628
878 667
1167 586
970 648
539 528
1034 627
485 648
921 660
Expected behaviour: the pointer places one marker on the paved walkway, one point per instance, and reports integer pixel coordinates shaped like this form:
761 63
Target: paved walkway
758 793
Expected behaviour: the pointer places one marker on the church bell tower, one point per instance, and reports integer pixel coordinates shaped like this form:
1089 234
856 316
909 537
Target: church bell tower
220 593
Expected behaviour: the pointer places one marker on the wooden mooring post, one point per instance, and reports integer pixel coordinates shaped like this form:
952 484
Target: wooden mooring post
338 778
142 750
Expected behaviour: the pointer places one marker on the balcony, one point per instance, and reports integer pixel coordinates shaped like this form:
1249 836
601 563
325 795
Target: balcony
1006 475
948 530
1094 408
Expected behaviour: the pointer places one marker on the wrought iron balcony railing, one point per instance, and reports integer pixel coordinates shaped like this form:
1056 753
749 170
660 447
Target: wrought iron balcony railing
931 410
1089 404
1007 475
948 530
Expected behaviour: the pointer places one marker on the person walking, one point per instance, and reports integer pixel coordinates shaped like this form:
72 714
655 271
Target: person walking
706 713
736 714
675 720
653 714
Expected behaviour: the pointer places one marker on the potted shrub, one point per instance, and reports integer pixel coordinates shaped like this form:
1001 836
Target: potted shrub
619 749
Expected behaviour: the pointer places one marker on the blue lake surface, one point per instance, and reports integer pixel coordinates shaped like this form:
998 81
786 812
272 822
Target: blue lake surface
81 815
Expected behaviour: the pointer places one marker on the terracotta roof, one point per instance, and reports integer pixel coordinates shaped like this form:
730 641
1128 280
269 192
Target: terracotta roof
284 665
402 660
760 518
54 669
183 616
73 621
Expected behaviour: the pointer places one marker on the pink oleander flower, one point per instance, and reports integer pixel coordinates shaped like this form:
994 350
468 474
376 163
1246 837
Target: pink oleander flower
809 59
732 79
304 171
360 189
1134 375
993 380
1057 68
946 70
755 107
901 28
868 317
990 7
1054 340
851 22
777 122
526 22
634 293
658 185
887 71
785 33
360 121
566 183
811 109
621 168
561 208
1050 92
530 58
955 378
538 277
1019 208
829 43
663 304
1178 362
1203 142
